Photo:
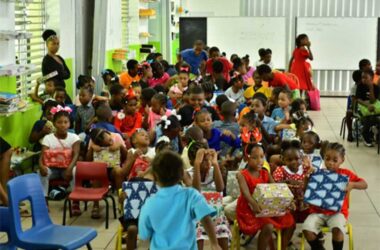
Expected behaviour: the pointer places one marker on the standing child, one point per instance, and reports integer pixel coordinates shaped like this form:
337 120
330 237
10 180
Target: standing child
336 221
276 78
206 176
168 218
298 64
85 112
247 207
236 91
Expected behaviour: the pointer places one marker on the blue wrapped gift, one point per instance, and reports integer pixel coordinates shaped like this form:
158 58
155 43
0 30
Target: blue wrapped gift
137 193
326 190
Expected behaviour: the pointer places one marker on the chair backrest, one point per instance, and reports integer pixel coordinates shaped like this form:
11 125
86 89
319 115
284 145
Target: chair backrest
5 227
91 171
293 77
27 187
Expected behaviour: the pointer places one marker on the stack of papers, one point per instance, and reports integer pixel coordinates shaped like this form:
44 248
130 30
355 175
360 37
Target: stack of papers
8 102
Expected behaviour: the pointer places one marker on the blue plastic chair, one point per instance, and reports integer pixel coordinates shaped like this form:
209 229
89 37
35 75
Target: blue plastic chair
43 234
4 227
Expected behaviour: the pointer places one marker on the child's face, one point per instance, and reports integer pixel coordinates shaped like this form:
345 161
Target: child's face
49 87
267 58
137 91
292 159
156 106
107 140
215 55
257 79
305 41
84 97
60 96
196 100
258 107
130 107
283 100
255 160
62 124
306 126
303 108
119 96
48 114
366 79
267 77
204 121
134 71
239 84
308 144
367 67
333 159
141 139
183 79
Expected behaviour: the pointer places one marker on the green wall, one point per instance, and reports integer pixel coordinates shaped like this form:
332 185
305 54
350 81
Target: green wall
175 50
115 65
70 86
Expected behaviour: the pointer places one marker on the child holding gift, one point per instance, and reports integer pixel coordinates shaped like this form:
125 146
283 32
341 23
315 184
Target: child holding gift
247 207
336 221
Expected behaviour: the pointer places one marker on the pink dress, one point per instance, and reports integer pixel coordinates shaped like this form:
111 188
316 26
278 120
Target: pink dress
154 118
153 82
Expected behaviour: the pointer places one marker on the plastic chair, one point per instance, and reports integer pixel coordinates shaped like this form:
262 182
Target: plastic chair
90 171
43 234
5 227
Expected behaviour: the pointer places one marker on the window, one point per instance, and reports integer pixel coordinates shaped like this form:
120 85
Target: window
29 18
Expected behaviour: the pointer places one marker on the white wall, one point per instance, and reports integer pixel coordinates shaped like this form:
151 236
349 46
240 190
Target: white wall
7 22
113 37
211 7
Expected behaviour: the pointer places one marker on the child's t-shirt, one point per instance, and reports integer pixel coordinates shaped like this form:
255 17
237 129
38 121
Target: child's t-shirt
217 137
208 183
128 124
166 218
278 114
269 124
153 82
126 79
52 142
237 97
251 91
84 115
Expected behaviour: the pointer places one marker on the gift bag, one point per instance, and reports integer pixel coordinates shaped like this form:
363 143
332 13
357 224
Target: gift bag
326 189
137 193
314 99
233 188
274 198
363 110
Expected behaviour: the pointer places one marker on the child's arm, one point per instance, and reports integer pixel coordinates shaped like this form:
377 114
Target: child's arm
131 158
280 127
247 195
34 95
360 185
218 178
197 169
35 136
228 137
209 227
69 170
310 54
145 121
187 179
43 168
123 154
90 154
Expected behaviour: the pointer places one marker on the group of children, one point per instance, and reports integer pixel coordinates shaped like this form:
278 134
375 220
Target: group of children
186 130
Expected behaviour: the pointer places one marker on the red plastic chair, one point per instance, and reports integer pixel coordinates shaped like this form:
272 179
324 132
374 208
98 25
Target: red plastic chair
90 171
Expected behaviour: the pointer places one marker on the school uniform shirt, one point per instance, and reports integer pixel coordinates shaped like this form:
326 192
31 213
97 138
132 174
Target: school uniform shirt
278 114
269 124
52 142
227 67
125 79
237 97
189 56
217 137
168 219
280 79
251 91
187 113
258 63
84 114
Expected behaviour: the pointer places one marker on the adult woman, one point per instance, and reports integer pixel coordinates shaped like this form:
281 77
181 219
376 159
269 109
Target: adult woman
53 62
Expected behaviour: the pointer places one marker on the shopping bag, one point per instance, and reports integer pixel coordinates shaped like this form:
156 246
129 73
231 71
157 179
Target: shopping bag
314 99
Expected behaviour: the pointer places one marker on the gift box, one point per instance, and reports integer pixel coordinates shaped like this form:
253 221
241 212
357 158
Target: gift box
232 188
215 199
274 199
57 158
112 158
326 189
137 193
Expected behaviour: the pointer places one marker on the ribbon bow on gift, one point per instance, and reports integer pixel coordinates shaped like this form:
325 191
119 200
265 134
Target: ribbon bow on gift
59 108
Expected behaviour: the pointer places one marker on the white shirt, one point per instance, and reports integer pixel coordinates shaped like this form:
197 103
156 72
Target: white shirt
208 184
237 97
151 153
52 142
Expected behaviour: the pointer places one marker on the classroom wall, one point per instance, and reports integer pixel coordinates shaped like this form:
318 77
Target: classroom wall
330 82
212 7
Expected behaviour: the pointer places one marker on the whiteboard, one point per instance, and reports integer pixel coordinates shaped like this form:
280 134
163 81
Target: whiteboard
340 43
246 35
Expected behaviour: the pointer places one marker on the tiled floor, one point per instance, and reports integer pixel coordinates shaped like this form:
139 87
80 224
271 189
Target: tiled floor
364 208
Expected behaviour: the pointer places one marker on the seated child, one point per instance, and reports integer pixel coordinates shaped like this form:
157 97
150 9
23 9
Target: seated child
219 102
156 111
129 120
109 78
351 104
159 76
48 91
336 221
247 207
310 144
85 112
104 119
273 101
192 134
281 114
146 100
257 88
228 111
146 74
259 105
236 91
116 101
169 127
209 89
174 209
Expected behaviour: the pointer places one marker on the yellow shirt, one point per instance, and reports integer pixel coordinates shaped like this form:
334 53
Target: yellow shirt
250 91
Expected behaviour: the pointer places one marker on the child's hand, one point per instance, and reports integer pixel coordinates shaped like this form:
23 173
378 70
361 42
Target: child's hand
349 187
255 207
68 174
199 156
214 156
43 171
306 161
46 129
96 148
229 134
371 108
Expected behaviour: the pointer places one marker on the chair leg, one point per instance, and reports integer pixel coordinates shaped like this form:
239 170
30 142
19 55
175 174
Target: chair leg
64 211
279 239
114 205
344 127
357 133
89 246
303 242
350 237
107 211
70 213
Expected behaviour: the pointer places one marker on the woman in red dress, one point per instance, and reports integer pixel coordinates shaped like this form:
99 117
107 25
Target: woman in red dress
298 64
247 207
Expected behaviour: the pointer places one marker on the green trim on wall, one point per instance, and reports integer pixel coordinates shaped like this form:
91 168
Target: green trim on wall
175 50
70 83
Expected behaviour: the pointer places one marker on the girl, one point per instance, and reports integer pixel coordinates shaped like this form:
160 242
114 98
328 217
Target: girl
236 91
146 74
110 148
248 77
214 136
159 76
169 127
109 78
259 105
310 144
298 64
239 66
129 120
67 143
175 95
247 207
182 79
158 109
206 176
265 58
250 129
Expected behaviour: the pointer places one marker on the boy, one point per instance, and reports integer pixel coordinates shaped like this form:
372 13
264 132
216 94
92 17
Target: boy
282 112
275 79
131 75
85 112
48 92
214 53
167 219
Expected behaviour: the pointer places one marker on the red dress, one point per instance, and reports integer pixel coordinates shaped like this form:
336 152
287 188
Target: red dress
128 124
301 68
249 224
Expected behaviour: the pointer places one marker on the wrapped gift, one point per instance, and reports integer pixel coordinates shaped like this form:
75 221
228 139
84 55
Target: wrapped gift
112 158
274 199
326 189
57 158
137 193
233 188
215 199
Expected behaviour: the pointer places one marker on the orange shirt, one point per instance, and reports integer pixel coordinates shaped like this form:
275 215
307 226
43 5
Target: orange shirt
125 79
376 79
281 79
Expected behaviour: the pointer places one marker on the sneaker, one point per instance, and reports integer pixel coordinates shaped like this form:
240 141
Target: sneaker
368 143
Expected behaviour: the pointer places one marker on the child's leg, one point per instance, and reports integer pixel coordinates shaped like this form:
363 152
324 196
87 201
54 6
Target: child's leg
5 160
265 236
311 228
132 237
117 174
337 224
200 244
223 243
287 235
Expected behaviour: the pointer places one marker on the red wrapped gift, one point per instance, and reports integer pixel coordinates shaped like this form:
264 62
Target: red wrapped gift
57 158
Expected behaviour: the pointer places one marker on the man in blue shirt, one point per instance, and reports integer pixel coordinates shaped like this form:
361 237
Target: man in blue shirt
168 219
195 57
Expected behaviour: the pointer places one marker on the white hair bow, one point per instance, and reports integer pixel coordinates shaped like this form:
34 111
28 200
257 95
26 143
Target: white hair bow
166 121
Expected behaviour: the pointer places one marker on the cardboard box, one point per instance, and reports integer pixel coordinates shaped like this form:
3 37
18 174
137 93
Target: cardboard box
274 198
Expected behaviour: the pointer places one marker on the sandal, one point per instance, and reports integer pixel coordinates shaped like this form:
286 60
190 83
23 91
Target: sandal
95 213
75 210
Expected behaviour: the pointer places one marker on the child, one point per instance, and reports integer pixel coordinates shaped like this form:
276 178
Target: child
265 58
273 100
214 136
60 96
136 87
257 88
146 74
228 111
129 120
310 143
139 156
126 78
48 91
117 94
104 119
84 81
376 76
196 102
159 76
218 107
192 135
247 207
175 95
146 99
206 176
281 114
236 91
276 78
182 78
109 78
298 64
209 89
174 209
248 77
214 55
85 112
238 66
63 140
334 157
169 127
157 110
259 105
